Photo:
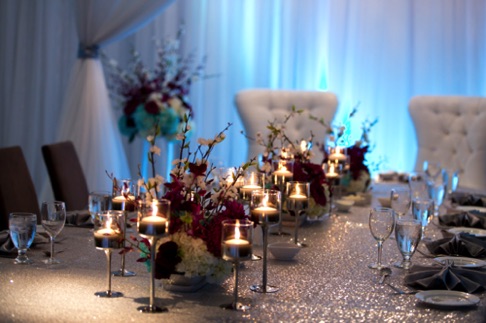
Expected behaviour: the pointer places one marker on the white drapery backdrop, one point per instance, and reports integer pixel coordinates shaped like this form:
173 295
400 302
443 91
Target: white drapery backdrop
377 52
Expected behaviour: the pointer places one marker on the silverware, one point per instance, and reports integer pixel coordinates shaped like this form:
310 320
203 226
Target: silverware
401 291
384 272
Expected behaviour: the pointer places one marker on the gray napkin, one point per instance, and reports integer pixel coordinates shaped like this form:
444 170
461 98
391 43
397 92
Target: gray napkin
468 199
471 219
7 248
447 277
462 244
79 218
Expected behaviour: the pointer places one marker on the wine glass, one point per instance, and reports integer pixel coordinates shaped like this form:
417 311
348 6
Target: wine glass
407 233
297 201
265 210
108 234
381 222
53 218
401 200
98 201
423 211
152 224
22 227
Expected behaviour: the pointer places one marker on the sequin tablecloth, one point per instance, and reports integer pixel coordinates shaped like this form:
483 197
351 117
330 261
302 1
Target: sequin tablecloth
329 281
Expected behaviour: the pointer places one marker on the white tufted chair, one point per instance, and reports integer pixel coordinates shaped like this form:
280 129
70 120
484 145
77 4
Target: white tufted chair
257 107
452 130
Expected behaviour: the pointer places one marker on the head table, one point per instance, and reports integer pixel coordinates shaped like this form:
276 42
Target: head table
328 281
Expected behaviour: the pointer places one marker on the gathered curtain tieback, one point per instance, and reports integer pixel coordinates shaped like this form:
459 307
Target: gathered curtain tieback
88 51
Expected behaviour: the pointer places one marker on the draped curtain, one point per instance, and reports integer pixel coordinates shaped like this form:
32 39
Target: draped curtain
379 53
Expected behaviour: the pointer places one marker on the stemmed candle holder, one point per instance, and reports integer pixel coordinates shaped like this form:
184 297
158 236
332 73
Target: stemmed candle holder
152 224
265 210
282 173
333 172
297 201
236 245
119 202
108 234
251 181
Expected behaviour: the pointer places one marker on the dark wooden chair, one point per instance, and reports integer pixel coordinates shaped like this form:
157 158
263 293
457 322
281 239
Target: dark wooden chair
66 175
17 191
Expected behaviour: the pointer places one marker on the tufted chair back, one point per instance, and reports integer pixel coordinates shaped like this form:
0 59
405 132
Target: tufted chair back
257 107
451 130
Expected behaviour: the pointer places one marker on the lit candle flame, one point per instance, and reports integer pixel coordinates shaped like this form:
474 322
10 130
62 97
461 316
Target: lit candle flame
237 230
303 146
297 190
252 179
155 209
265 200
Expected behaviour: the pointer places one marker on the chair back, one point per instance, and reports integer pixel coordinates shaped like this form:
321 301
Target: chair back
66 174
257 107
451 131
17 191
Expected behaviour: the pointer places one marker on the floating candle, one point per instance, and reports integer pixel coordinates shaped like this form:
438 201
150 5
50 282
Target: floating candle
265 214
236 249
153 225
337 155
119 203
108 238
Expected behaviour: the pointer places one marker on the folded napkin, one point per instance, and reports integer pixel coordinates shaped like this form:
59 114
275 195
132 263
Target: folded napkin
447 277
7 248
79 218
471 219
462 244
468 199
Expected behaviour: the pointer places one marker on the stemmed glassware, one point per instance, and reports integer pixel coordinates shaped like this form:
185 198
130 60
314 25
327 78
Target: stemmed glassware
123 200
423 211
152 224
417 181
382 222
282 173
401 200
407 233
108 235
265 210
297 202
22 228
437 191
53 218
236 246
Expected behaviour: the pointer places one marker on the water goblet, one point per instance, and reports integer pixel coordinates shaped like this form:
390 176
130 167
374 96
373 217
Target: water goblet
22 228
236 246
53 218
423 211
265 210
282 172
297 202
123 200
437 191
407 233
152 224
381 222
401 200
108 234
98 201
432 169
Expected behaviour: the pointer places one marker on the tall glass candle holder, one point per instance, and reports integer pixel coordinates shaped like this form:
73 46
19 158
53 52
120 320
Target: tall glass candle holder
297 201
108 234
333 173
153 224
123 200
282 173
265 210
236 246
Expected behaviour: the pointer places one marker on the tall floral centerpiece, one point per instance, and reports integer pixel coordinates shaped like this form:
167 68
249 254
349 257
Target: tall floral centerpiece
278 146
199 204
154 96
358 178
